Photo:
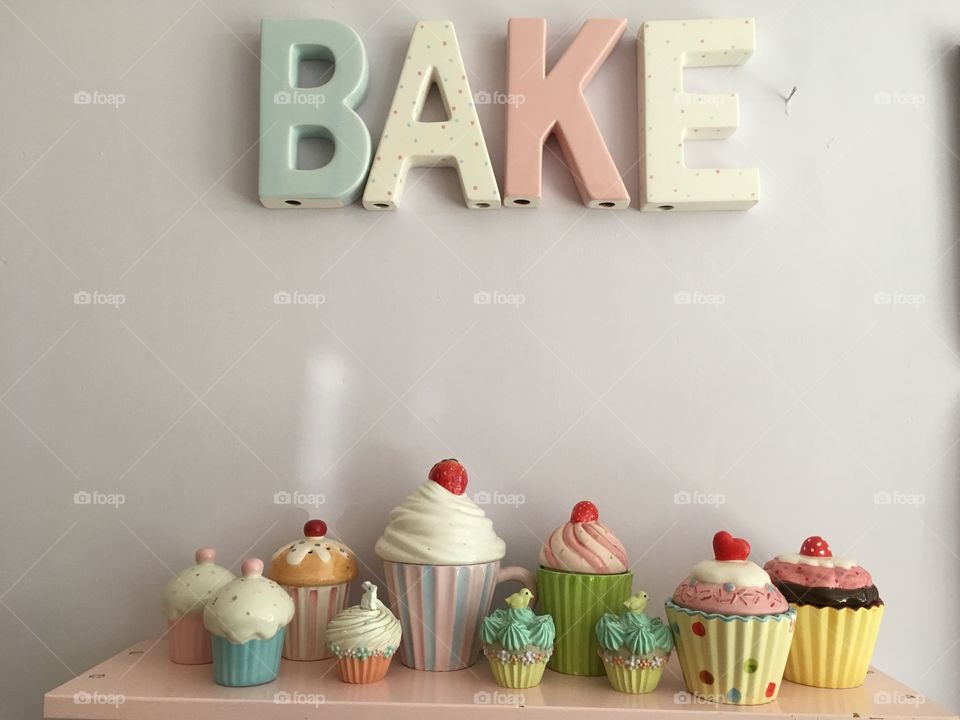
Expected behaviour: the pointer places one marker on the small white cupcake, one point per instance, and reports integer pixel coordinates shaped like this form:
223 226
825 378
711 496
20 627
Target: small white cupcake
364 638
184 599
248 617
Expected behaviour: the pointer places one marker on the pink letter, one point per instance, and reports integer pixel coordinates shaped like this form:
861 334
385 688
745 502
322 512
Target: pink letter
543 104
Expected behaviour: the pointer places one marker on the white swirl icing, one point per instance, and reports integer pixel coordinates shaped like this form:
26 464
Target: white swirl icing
824 562
368 626
742 573
319 546
192 588
247 608
435 527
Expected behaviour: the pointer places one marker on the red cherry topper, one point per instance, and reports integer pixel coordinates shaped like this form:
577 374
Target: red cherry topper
727 547
816 546
450 475
315 528
584 511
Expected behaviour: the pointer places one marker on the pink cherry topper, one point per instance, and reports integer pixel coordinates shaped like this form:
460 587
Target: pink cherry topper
205 555
816 546
726 547
450 475
315 528
252 567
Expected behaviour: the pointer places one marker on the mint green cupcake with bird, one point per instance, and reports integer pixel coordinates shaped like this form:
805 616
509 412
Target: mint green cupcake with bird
634 647
517 642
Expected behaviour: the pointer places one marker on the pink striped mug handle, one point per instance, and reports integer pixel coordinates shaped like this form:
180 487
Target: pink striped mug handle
519 575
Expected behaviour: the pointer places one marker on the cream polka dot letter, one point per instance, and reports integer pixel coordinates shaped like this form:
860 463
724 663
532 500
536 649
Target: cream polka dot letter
669 115
433 58
290 113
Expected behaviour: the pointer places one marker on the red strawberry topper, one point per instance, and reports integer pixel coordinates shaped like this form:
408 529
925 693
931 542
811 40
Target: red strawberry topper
583 512
315 528
816 546
450 475
726 547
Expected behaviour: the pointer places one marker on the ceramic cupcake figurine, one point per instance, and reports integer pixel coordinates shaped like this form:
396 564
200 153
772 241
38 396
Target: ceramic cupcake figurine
634 647
441 559
838 615
517 642
583 574
364 638
731 626
247 618
316 571
184 599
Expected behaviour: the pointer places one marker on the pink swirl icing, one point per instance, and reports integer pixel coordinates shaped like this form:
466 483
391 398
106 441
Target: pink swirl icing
815 576
729 600
588 547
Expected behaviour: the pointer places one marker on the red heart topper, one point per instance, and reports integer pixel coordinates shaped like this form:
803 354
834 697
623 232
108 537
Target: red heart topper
727 547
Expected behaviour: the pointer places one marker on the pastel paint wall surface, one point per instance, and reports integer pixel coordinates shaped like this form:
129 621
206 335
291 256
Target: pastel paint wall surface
782 372
432 58
669 115
553 103
290 113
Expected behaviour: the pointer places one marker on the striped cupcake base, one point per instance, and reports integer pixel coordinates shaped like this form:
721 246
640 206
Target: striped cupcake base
306 637
440 608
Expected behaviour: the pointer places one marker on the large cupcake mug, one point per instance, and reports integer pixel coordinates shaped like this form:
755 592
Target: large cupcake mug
440 608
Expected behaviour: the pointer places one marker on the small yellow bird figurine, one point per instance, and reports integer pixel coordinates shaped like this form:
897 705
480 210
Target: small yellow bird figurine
520 599
637 603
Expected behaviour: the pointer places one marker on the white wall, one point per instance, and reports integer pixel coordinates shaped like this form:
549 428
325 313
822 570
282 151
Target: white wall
797 399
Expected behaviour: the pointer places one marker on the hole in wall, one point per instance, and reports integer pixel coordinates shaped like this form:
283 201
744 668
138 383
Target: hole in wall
381 205
607 204
665 207
288 202
521 201
482 205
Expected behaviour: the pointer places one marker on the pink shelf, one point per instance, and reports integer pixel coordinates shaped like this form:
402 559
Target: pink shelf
152 688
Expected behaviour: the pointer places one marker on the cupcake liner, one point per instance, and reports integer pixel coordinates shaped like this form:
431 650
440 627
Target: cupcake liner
577 601
733 659
254 662
365 670
440 608
188 641
516 675
832 647
635 681
306 637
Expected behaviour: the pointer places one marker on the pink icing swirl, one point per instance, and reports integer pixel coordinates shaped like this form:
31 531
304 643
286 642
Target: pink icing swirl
588 547
814 576
728 599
